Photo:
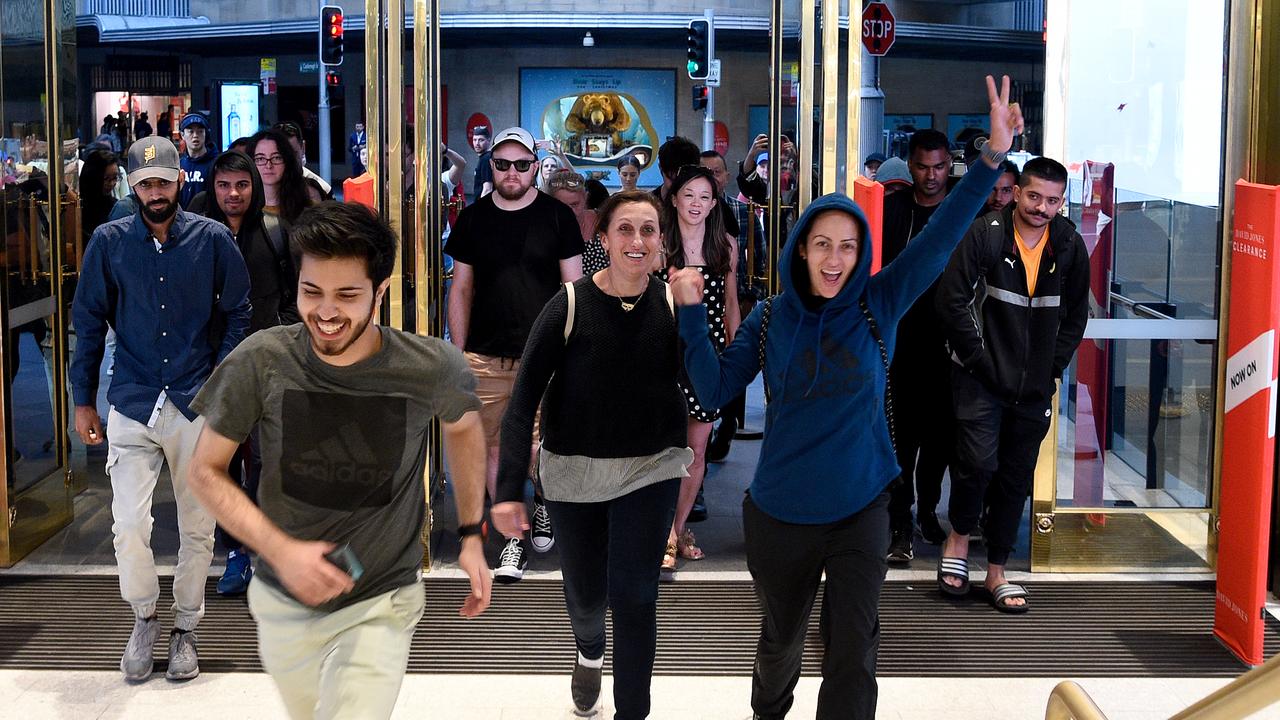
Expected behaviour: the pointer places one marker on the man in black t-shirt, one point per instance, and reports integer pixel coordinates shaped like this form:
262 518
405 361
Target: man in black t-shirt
922 402
480 138
511 250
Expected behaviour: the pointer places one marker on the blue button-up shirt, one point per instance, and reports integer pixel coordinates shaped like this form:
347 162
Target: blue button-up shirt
166 302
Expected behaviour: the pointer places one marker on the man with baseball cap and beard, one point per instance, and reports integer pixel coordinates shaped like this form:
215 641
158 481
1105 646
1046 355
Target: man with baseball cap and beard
511 250
175 289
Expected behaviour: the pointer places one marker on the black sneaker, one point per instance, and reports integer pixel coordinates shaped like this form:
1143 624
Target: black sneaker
511 562
585 687
931 530
900 551
698 512
542 537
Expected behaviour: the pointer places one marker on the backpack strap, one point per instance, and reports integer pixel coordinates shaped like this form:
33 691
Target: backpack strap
764 335
275 238
884 358
568 318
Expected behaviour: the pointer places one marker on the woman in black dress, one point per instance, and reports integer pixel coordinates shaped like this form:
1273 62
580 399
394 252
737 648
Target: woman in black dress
694 236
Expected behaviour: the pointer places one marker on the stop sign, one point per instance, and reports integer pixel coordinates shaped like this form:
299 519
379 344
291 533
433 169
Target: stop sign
877 28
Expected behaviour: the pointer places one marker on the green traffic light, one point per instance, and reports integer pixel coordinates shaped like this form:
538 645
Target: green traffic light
693 67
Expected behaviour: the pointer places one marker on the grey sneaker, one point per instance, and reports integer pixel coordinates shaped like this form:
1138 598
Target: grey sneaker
139 654
184 660
585 686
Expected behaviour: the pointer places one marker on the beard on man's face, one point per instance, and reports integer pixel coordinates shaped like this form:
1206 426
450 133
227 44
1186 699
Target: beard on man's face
158 211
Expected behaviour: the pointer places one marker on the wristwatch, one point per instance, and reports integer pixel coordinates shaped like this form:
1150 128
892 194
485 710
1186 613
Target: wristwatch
481 528
985 151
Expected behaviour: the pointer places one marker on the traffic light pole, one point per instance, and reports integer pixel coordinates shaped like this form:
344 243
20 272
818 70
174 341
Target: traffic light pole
326 152
709 122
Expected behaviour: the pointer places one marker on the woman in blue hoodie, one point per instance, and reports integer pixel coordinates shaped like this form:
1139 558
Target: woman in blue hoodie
819 502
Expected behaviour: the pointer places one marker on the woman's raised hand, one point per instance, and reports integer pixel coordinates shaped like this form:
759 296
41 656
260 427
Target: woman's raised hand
686 286
1006 117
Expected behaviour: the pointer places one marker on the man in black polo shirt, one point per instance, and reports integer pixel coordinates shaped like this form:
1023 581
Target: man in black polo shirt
511 250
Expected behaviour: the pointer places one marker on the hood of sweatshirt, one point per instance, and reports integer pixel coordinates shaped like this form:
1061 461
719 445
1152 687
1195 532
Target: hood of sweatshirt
794 273
798 304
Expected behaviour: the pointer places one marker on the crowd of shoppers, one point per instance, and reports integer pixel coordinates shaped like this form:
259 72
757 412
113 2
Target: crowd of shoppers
593 343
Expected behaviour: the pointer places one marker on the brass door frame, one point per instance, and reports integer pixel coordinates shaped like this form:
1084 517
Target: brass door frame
428 214
21 533
416 296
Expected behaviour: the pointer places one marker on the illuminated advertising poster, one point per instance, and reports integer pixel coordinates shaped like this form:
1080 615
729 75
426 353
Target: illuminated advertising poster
239 112
599 116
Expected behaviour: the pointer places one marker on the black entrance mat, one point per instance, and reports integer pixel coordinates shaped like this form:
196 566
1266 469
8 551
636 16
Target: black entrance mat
1084 629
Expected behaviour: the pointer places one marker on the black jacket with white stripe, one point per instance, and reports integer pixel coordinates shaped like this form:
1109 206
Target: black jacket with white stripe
1017 344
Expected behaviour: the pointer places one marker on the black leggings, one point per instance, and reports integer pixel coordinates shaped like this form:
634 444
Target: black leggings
610 553
786 563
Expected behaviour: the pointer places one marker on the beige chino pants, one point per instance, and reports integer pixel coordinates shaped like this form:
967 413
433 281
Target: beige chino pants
349 663
136 454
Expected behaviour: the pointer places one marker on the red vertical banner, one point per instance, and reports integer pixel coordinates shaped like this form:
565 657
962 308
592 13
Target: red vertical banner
869 195
1249 426
1092 358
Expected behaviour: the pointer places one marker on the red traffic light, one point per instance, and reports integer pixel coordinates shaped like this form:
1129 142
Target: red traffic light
331 33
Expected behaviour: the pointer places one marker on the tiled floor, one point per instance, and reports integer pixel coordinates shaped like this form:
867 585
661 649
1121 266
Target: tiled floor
38 695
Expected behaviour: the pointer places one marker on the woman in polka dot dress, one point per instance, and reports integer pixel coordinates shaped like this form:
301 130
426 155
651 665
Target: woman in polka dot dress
694 236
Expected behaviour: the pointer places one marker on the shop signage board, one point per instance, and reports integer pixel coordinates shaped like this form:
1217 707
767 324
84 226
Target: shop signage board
1249 424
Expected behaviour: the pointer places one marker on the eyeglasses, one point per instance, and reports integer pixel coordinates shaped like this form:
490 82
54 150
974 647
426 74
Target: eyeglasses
504 165
264 161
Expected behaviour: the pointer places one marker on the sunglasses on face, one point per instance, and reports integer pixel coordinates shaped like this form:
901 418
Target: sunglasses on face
505 165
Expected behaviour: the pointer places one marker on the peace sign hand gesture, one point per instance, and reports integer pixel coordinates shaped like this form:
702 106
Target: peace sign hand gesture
1006 117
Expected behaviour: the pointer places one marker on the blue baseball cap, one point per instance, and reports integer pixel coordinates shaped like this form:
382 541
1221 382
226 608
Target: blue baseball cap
193 118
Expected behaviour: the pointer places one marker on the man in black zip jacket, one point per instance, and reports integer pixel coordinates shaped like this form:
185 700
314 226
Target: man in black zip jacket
1014 301
924 436
235 198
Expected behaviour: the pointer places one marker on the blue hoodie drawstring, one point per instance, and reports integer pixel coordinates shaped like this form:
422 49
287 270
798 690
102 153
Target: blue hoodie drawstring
822 318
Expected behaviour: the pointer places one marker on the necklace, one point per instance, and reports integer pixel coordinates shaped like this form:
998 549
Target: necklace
627 304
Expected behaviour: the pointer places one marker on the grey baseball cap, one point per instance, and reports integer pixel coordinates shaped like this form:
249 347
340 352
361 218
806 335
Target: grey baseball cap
153 157
516 134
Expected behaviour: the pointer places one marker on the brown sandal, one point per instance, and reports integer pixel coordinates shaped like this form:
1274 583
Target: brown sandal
669 559
687 546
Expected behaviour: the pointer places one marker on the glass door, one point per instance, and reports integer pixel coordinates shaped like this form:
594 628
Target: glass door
39 216
1125 480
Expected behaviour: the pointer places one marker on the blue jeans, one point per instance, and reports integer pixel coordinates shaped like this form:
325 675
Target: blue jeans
610 553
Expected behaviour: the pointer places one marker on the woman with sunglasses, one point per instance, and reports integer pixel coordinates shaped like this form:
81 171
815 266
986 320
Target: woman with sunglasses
694 237
604 355
629 172
284 188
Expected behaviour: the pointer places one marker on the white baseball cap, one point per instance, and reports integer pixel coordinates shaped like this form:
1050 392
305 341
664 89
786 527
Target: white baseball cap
516 134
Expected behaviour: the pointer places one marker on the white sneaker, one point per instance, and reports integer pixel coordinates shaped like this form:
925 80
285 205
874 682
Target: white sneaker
511 563
542 537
